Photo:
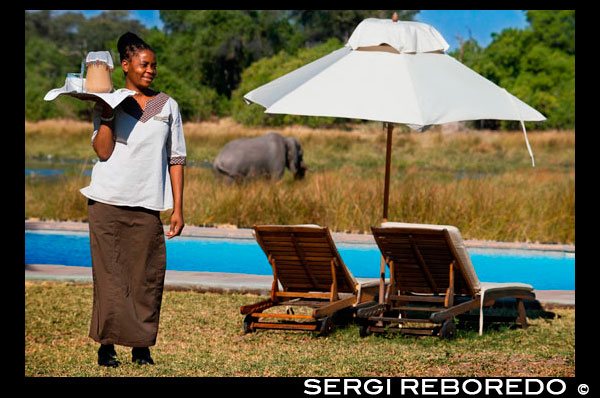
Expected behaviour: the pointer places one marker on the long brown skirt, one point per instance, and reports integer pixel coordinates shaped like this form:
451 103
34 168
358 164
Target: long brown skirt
128 267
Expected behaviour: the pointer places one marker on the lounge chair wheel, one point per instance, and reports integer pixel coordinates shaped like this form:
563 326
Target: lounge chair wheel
248 322
364 331
448 330
326 326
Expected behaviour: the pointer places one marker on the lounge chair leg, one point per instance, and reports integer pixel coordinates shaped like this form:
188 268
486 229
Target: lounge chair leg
248 321
448 329
326 327
364 330
522 319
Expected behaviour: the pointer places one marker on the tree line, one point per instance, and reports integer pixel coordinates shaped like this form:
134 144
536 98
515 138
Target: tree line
208 59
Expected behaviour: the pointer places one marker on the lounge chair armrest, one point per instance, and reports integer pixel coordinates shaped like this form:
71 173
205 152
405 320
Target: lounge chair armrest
368 284
373 310
451 312
367 291
256 307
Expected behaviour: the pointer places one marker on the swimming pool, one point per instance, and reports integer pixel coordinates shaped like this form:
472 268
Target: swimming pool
543 270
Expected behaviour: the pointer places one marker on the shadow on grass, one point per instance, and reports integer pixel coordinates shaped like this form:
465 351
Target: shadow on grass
502 315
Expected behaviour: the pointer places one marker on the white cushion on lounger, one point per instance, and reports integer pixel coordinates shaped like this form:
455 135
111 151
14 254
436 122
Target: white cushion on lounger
297 225
469 270
488 286
457 240
294 225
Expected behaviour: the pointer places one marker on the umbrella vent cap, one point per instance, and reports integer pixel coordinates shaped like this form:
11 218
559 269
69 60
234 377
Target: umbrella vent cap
404 36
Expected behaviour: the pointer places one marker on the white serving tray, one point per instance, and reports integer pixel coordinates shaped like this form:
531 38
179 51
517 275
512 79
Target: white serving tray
73 86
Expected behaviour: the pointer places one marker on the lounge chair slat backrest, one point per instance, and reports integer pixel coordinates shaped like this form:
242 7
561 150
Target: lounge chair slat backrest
422 254
302 256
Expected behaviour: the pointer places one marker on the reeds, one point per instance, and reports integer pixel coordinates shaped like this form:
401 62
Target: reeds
517 207
481 182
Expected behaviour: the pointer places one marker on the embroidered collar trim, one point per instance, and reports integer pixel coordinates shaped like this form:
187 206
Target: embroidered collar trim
153 107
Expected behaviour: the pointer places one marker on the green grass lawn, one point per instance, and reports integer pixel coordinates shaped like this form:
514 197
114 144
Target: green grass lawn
201 335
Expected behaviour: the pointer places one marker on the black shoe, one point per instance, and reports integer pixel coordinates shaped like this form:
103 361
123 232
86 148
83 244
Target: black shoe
107 356
141 356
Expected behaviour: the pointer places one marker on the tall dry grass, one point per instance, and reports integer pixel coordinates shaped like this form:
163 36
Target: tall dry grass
519 207
482 182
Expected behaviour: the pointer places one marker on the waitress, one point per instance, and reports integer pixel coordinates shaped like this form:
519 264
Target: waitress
141 151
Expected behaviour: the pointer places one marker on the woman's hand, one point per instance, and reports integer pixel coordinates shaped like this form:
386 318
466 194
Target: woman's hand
176 225
104 143
176 173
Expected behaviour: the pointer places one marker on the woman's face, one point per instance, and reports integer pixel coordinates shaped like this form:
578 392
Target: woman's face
140 69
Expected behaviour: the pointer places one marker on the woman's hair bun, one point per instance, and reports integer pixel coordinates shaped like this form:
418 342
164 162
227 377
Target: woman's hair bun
129 44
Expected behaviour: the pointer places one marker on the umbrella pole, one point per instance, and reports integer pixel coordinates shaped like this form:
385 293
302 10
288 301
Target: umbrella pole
386 194
388 159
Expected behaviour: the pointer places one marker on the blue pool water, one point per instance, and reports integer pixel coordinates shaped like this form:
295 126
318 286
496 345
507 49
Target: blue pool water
542 270
51 172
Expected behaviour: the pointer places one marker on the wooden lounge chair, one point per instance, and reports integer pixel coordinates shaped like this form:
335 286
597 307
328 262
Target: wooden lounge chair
311 273
432 280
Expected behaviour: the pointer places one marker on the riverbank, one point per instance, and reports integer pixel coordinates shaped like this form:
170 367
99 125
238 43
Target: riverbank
480 181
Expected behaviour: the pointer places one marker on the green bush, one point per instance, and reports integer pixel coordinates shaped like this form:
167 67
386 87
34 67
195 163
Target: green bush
536 64
208 59
46 68
196 102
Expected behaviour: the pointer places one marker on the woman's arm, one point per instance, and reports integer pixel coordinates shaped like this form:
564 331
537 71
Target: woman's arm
176 173
104 143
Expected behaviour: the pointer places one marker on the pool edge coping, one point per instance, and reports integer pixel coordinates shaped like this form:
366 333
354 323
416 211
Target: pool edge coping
339 237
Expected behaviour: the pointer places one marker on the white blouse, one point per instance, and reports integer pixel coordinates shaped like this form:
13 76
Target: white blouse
146 143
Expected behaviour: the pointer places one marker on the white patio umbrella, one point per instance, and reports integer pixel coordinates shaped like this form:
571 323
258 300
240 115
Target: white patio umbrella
395 72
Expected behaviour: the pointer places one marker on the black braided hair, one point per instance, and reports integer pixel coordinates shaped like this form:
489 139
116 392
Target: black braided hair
129 44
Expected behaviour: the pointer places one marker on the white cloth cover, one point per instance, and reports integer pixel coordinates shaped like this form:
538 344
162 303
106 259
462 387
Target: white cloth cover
100 56
404 36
